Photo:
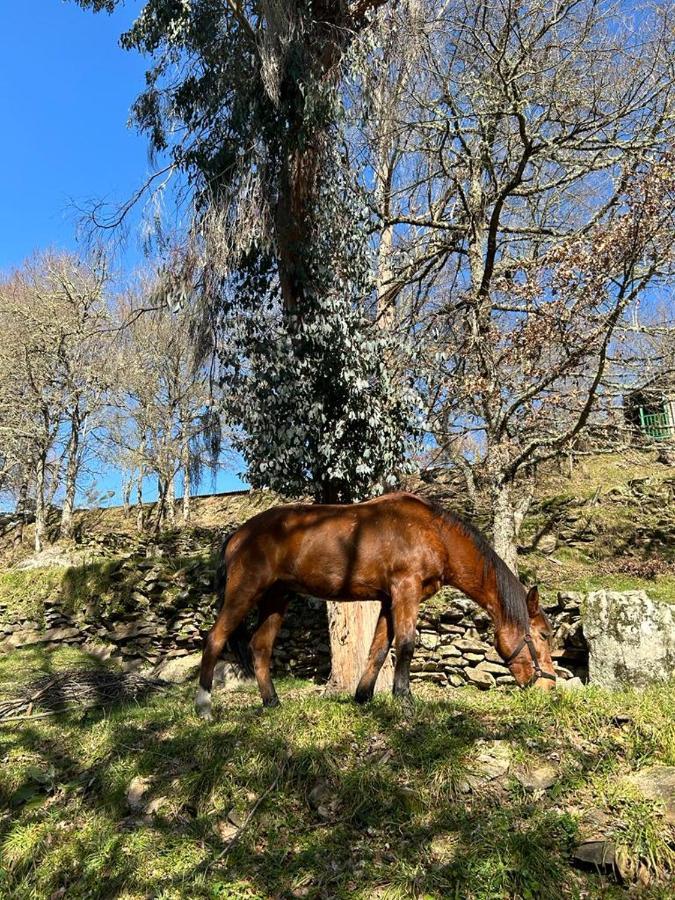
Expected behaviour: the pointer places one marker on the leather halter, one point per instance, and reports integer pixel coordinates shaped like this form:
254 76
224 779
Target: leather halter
526 641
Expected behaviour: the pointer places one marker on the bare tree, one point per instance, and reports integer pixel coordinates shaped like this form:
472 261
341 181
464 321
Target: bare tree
161 418
52 316
524 216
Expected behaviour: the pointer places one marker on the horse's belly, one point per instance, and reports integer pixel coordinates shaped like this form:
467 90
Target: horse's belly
326 588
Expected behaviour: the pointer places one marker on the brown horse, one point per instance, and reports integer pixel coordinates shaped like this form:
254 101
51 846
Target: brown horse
396 550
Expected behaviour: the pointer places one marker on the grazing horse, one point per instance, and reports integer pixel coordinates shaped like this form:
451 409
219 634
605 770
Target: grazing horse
395 550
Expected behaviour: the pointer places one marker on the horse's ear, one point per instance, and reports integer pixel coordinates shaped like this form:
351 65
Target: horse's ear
532 601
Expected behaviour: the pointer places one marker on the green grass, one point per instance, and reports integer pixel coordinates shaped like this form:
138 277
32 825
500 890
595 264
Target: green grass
661 588
356 802
23 592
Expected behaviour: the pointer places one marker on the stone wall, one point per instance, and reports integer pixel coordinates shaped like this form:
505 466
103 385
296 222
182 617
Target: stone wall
148 613
455 642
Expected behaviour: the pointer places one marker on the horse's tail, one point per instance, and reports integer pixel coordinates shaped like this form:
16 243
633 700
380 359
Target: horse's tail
239 639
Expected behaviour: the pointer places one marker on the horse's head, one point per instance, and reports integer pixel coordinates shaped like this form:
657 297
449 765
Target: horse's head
527 653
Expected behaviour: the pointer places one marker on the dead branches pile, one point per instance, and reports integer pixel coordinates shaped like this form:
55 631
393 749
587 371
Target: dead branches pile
56 693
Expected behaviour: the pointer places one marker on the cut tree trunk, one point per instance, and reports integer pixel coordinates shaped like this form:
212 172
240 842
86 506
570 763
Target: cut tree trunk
351 626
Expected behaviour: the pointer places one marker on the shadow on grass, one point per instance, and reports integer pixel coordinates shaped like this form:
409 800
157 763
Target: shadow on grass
355 803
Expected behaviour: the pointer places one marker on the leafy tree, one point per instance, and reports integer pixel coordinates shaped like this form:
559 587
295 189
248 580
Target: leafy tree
245 98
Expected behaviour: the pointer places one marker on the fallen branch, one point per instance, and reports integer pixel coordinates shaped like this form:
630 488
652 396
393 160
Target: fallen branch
249 817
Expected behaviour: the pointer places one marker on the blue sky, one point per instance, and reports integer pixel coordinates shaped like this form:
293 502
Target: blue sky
66 88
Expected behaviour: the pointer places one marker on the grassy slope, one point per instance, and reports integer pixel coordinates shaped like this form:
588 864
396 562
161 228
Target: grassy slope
392 820
626 502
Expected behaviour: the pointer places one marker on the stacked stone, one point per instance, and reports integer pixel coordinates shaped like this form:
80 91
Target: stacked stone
455 642
570 653
454 645
152 613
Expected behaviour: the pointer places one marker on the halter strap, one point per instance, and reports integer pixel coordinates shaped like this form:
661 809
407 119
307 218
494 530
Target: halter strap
526 641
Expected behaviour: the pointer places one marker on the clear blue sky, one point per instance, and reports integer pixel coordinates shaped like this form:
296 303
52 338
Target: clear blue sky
66 88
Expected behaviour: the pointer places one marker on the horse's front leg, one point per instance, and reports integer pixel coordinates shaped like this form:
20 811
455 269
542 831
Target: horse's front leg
382 640
405 603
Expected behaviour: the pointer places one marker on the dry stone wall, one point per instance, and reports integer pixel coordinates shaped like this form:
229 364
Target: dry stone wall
147 615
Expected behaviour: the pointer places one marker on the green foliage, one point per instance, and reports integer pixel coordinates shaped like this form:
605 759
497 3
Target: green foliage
311 384
320 409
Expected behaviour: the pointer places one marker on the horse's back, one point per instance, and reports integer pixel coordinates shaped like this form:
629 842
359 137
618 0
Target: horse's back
349 550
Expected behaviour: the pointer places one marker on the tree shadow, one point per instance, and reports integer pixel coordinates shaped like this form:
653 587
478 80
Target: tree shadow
376 802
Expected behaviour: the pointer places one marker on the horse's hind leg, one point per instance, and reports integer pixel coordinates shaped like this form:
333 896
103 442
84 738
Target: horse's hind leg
238 602
382 639
272 609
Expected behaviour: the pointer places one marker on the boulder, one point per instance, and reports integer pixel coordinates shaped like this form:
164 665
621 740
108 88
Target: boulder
631 639
178 669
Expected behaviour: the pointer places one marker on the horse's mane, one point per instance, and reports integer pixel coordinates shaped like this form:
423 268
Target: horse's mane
511 591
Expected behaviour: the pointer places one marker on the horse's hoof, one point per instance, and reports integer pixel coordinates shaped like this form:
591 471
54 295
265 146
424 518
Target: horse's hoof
271 702
363 696
203 705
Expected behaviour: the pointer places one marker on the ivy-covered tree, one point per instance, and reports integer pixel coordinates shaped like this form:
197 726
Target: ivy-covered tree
244 97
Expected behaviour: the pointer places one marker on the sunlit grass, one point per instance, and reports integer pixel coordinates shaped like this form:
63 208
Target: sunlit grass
391 818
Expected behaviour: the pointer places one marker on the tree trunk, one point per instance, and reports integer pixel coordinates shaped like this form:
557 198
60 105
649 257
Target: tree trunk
504 524
350 628
40 509
21 511
72 465
126 495
161 504
351 625
140 523
187 493
171 499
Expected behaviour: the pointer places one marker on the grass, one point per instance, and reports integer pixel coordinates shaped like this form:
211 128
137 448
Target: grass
344 801
23 593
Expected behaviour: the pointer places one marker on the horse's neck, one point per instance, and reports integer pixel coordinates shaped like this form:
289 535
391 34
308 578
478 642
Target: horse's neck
466 571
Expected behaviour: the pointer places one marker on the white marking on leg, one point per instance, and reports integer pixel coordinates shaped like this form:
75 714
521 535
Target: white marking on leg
203 703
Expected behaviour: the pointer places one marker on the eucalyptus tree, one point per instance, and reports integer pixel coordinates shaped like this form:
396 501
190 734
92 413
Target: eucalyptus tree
245 98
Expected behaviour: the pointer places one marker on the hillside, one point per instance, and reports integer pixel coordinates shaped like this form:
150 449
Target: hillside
611 521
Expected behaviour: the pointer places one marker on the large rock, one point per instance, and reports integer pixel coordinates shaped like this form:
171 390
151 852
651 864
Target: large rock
631 639
658 783
178 669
